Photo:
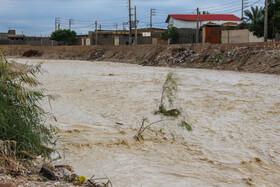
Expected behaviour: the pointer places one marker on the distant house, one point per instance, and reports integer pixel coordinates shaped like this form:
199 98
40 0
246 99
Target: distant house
189 21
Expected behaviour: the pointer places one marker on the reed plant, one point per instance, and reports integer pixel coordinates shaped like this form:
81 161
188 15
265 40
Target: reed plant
22 119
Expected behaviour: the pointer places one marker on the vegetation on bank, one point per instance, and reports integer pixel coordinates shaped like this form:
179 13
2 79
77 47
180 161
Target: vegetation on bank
255 19
170 34
22 118
66 35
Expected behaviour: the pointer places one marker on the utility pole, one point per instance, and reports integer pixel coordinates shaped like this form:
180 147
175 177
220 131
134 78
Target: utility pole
95 32
57 22
100 27
41 40
124 26
242 9
130 26
265 20
135 25
116 27
197 26
152 13
70 23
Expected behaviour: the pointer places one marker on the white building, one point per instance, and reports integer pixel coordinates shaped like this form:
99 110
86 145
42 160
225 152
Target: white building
190 20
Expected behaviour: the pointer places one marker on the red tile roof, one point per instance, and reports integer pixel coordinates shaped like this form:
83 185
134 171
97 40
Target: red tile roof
205 17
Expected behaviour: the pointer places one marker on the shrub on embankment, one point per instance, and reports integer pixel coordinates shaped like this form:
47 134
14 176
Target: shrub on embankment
21 117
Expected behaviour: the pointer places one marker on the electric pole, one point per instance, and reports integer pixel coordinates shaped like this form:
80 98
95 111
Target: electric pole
135 25
130 28
244 5
197 26
116 25
242 9
124 26
265 20
95 32
70 23
152 13
57 23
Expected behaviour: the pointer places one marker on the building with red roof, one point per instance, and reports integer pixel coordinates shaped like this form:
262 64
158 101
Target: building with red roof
189 20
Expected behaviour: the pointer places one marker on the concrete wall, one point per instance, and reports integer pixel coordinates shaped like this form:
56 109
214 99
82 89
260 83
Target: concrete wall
235 36
33 41
123 39
277 37
239 36
40 41
253 38
186 36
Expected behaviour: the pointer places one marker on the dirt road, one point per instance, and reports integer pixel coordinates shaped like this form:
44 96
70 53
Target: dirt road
235 119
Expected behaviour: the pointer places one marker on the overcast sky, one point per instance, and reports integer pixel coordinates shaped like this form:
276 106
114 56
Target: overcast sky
36 17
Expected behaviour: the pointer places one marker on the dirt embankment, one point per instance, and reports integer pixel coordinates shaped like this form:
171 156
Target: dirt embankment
259 57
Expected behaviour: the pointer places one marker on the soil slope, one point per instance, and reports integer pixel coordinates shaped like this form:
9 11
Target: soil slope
259 57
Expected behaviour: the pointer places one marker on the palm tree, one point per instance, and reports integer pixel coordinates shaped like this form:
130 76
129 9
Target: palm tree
255 18
255 15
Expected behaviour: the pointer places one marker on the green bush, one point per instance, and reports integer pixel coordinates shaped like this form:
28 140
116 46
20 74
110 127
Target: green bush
67 36
171 33
21 117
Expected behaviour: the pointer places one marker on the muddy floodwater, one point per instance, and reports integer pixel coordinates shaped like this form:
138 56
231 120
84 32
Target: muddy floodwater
100 105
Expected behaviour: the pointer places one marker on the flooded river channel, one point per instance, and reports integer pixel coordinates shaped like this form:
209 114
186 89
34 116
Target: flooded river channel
99 107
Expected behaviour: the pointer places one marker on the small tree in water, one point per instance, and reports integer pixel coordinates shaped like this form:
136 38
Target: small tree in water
168 95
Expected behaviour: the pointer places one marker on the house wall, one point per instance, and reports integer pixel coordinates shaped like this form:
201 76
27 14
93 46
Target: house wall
239 36
3 36
192 24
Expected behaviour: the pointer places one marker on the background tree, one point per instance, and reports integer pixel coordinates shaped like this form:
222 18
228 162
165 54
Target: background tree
204 12
273 17
170 34
67 36
255 17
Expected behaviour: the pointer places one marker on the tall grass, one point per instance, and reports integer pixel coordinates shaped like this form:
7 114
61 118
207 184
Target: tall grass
22 119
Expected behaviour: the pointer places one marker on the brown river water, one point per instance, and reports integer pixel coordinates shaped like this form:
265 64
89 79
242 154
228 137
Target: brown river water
235 119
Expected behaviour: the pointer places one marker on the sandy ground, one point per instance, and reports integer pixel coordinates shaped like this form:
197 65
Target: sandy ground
235 119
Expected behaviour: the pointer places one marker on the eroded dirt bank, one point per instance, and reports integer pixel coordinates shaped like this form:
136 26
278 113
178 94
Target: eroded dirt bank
260 57
235 119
